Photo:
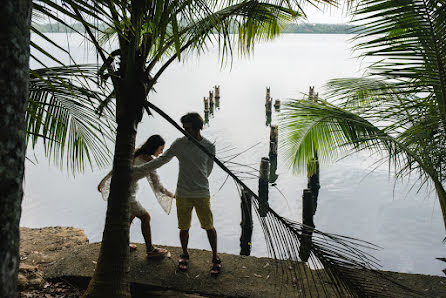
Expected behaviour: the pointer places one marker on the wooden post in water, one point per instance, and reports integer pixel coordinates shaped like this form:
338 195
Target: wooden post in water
313 181
217 91
313 170
211 98
311 93
263 186
307 219
206 103
246 224
274 136
217 96
273 145
277 104
268 101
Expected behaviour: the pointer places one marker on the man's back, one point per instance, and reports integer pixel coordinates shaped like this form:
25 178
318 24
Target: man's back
194 167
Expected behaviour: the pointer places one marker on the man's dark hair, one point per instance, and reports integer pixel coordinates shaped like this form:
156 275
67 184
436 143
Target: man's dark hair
194 118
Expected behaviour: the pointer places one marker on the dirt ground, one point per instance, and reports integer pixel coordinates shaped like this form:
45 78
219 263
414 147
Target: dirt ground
47 255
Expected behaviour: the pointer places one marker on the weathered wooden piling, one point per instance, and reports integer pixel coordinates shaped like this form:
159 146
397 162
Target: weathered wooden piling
277 104
206 116
211 98
268 101
311 92
246 224
268 106
274 134
206 103
217 91
263 186
268 118
307 219
313 181
307 208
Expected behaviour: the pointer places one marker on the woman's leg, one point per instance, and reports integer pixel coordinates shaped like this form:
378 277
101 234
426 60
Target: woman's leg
146 231
132 246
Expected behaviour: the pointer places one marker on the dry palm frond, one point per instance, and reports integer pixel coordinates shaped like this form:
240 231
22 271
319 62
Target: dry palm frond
341 265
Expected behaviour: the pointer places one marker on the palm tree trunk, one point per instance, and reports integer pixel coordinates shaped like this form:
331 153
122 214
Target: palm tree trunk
442 199
14 74
111 275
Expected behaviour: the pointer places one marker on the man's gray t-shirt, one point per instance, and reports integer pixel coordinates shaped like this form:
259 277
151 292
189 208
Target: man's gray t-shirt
194 168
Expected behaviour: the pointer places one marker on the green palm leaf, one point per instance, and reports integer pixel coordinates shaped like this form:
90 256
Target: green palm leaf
62 116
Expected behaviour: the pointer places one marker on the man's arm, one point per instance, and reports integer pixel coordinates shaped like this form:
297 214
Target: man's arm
143 170
210 164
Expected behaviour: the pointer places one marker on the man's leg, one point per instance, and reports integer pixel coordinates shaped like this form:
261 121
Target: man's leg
184 215
184 238
212 237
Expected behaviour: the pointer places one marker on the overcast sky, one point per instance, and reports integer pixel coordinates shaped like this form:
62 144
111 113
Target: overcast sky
327 15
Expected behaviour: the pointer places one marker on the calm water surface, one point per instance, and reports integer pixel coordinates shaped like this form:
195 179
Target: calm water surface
353 201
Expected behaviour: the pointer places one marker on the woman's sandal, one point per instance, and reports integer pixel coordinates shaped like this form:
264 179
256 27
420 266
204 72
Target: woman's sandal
157 252
216 267
183 263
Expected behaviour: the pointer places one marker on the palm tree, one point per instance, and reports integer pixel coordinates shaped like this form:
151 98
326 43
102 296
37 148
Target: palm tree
151 35
14 50
398 109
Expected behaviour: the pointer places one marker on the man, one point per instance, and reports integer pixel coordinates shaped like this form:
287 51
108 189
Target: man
192 186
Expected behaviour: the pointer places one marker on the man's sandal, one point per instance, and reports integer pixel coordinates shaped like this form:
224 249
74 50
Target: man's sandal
157 252
183 263
216 267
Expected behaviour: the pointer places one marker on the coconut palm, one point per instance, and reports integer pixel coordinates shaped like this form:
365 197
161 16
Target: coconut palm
398 109
14 50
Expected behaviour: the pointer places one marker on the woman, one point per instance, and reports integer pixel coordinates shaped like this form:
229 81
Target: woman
153 147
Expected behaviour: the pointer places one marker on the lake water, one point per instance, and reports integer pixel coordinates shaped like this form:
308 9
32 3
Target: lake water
353 201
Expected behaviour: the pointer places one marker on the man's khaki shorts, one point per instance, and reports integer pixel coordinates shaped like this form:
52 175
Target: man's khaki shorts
202 208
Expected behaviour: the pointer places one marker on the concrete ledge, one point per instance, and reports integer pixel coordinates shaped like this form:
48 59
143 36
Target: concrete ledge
61 252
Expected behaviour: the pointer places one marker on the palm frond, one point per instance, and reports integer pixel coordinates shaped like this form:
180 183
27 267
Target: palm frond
338 266
409 35
62 115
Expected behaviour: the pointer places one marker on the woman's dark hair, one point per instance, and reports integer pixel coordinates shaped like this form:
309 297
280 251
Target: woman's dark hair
150 146
194 118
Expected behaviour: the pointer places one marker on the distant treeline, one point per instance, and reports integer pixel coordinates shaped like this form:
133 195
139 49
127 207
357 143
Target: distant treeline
58 28
293 28
319 28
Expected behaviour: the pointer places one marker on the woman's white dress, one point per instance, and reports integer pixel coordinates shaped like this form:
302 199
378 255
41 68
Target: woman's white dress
163 196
